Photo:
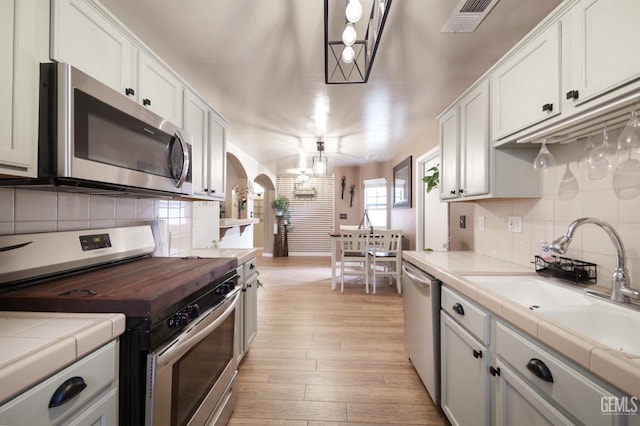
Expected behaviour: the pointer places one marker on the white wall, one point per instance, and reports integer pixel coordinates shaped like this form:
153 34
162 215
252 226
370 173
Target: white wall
548 217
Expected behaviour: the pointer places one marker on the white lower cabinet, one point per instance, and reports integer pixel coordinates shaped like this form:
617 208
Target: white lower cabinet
498 375
95 404
517 403
248 305
464 366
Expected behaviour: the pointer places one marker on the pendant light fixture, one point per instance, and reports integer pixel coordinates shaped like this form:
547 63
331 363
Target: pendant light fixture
349 52
320 165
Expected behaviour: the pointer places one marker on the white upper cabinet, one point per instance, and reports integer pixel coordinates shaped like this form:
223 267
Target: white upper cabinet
160 90
449 148
464 146
217 156
525 89
602 38
205 127
23 45
87 39
474 141
196 125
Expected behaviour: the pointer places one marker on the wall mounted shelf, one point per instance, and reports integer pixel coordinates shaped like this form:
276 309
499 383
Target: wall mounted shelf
226 224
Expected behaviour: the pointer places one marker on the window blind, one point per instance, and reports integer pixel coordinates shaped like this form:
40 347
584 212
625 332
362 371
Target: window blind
311 217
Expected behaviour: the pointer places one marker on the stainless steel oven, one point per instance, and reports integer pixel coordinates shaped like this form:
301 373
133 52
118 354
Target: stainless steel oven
191 379
178 355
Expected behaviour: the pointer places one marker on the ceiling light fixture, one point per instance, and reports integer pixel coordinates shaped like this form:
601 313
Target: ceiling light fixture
348 59
320 165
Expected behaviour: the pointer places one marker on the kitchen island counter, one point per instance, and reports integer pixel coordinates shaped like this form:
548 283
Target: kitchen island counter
618 368
35 345
242 255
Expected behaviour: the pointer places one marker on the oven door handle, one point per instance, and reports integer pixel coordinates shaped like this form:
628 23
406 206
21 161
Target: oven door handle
198 331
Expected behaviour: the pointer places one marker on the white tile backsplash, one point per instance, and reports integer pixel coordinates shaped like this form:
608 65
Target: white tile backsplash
102 208
36 206
549 216
73 206
28 211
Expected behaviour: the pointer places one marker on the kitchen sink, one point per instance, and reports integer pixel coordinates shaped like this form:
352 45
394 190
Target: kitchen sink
606 323
600 320
534 292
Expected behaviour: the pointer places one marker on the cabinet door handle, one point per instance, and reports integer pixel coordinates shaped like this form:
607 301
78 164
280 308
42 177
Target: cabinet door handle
477 354
129 91
453 192
458 309
66 391
146 102
540 370
547 107
573 94
494 371
461 190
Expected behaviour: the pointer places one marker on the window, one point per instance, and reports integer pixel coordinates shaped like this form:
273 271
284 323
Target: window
375 201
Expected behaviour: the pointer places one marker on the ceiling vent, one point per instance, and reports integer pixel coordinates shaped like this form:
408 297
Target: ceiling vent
467 16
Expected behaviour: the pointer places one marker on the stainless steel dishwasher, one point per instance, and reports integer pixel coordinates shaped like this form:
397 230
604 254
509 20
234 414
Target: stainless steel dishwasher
422 326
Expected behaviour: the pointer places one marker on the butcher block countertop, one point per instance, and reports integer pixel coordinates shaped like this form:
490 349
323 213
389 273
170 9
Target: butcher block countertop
35 345
139 289
618 368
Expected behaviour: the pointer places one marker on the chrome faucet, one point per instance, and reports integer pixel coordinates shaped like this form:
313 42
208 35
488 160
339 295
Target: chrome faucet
620 287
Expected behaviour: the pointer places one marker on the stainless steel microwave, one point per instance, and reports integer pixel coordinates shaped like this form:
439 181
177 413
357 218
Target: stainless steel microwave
92 138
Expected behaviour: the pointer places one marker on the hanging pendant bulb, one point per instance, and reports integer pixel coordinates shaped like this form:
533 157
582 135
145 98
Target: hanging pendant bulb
348 55
349 35
353 12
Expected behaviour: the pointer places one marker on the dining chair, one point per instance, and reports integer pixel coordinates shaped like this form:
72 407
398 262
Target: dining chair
353 250
385 256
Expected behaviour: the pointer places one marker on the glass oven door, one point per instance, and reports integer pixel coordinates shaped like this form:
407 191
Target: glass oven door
189 376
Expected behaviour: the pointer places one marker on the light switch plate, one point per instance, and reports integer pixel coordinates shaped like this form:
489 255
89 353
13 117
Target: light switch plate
482 223
514 223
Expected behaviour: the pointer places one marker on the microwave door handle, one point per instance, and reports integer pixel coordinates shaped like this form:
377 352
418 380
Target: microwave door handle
185 160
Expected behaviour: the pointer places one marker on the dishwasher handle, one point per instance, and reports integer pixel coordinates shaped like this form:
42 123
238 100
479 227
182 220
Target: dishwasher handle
422 279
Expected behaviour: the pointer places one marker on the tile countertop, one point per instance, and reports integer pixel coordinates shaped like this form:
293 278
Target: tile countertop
620 369
242 255
35 345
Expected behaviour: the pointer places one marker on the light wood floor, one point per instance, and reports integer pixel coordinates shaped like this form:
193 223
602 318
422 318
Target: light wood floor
322 358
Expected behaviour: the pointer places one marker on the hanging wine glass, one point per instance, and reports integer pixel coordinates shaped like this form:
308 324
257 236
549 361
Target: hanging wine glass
568 187
544 160
626 178
583 160
630 136
602 158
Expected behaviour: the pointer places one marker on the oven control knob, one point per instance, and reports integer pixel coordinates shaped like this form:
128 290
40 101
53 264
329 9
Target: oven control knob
193 311
179 320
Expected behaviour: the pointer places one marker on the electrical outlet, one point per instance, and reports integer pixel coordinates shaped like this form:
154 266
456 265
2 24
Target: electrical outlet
463 222
514 223
482 223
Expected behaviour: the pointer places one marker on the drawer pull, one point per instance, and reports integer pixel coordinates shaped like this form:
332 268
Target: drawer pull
458 309
477 354
540 370
494 371
67 391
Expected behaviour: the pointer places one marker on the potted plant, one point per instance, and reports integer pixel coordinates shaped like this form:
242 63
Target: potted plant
432 178
280 205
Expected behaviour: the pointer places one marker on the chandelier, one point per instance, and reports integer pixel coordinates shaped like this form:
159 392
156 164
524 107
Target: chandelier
351 38
320 164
